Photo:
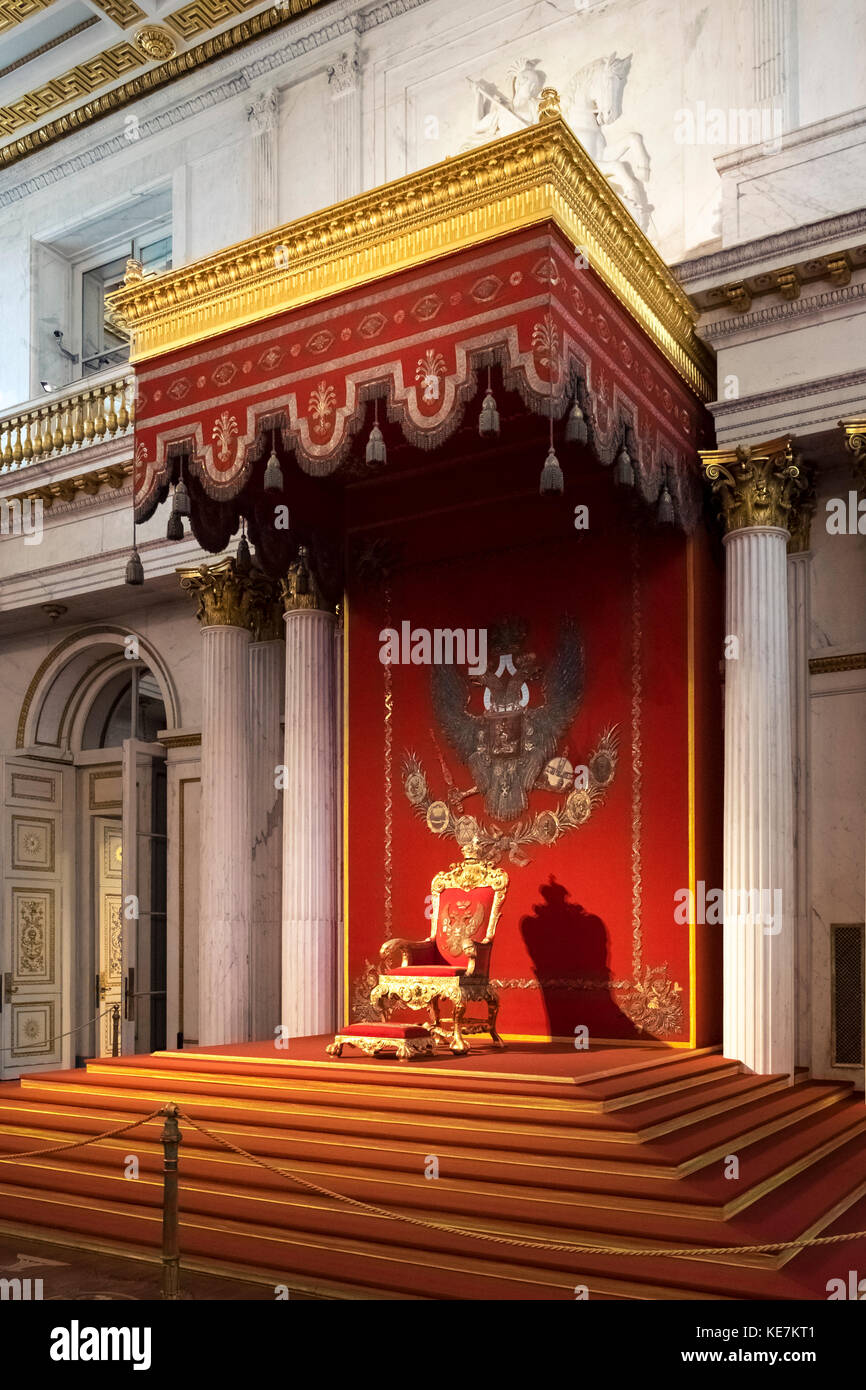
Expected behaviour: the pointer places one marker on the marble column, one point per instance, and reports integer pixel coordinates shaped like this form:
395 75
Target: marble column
310 808
224 901
345 88
267 684
263 116
756 489
799 627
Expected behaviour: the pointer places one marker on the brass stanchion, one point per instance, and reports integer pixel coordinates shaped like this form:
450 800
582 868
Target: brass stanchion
171 1141
115 1030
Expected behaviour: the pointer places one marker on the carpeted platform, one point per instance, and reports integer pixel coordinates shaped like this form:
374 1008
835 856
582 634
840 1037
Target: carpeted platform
615 1147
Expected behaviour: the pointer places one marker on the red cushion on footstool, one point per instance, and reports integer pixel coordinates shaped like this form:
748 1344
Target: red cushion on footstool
383 1030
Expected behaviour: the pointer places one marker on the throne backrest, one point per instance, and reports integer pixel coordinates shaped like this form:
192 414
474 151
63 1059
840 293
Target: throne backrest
467 901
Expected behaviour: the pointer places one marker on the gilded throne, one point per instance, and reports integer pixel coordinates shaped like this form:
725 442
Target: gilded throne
452 965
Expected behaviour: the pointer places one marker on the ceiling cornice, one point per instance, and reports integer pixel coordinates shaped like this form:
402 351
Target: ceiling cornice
157 78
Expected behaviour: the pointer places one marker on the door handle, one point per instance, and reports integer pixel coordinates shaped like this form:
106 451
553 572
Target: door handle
8 988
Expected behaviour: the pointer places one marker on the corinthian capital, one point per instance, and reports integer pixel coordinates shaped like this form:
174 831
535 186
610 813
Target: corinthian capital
225 595
343 74
266 609
855 440
263 111
300 589
761 485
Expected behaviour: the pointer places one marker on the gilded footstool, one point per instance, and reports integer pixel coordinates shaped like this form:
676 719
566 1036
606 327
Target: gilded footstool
406 1039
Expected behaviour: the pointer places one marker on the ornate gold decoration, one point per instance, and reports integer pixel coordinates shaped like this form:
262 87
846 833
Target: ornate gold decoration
79 81
69 488
800 516
839 269
404 1048
300 589
472 984
123 12
537 175
225 595
145 83
855 440
755 486
653 1002
825 665
541 828
13 12
266 609
72 420
738 297
788 283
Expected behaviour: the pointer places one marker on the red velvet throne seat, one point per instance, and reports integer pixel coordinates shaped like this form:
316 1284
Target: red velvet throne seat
452 965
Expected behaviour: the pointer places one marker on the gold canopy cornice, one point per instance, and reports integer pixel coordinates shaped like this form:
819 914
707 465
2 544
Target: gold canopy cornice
539 175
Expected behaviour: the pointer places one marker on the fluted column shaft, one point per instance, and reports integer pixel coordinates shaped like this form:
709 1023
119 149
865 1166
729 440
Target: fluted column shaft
224 911
310 911
758 815
267 681
799 625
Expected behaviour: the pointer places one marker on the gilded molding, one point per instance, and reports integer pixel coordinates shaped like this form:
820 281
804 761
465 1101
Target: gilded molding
300 589
825 665
756 486
151 81
538 175
225 595
66 490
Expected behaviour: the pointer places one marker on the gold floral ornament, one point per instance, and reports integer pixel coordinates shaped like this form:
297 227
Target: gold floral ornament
757 486
855 441
155 43
653 1002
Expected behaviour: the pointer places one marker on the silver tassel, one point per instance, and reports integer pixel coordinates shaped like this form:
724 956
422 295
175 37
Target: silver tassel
376 451
134 569
243 559
180 500
666 508
551 475
174 529
273 474
488 420
576 431
623 473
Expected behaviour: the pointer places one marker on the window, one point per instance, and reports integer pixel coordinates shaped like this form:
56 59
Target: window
104 342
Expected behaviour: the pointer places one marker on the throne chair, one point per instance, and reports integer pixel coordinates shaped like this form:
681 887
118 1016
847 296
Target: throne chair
452 965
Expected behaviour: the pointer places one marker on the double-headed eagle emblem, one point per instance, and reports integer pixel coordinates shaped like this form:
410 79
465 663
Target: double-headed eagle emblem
511 745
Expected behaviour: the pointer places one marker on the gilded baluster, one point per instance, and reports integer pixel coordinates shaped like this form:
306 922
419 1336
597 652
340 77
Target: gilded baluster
58 430
99 423
89 430
27 442
7 447
67 427
76 406
37 435
112 414
123 413
17 453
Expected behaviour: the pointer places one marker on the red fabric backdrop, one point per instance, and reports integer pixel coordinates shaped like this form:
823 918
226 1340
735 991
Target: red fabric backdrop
587 934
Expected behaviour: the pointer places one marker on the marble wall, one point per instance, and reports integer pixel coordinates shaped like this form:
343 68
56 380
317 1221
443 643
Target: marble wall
660 91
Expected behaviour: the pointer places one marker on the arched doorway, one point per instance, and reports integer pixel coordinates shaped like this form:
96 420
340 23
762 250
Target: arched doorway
84 800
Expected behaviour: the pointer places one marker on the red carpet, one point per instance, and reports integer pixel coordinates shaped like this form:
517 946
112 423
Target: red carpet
618 1146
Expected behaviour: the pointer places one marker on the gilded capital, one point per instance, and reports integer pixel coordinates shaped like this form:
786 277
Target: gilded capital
855 440
300 589
756 486
224 594
266 609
